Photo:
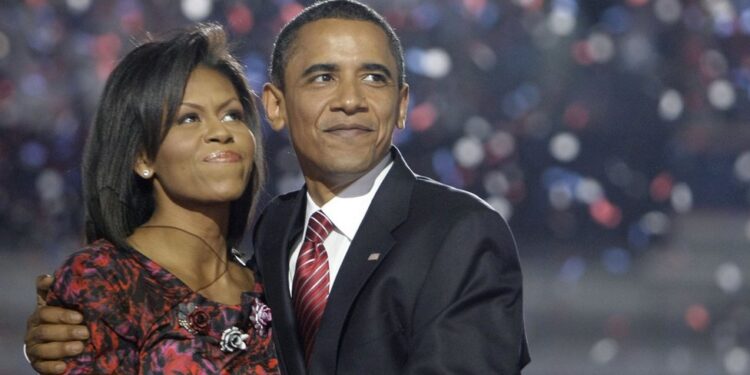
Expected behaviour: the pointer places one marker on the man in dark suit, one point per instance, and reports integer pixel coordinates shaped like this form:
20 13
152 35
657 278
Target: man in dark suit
369 268
427 278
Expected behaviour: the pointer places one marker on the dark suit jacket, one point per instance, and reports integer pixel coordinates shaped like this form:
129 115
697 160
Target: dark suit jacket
444 296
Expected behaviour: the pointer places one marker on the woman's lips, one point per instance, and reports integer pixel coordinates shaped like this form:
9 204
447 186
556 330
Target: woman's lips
223 157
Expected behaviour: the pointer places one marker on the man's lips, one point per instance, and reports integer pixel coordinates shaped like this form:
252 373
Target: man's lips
223 157
348 130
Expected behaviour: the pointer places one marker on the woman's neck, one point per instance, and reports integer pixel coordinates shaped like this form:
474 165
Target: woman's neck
189 241
208 225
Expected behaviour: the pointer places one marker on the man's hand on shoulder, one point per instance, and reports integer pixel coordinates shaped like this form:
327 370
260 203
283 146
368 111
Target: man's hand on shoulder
52 333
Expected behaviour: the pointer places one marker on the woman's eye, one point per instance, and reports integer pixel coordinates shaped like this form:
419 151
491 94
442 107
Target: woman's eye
233 116
188 118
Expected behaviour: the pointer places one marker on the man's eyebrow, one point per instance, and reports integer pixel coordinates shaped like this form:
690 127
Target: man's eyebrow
317 68
378 68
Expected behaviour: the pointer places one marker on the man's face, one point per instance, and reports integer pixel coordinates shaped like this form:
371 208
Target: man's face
341 100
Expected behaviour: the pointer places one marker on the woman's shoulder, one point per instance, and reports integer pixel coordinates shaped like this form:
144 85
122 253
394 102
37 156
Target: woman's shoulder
99 280
99 265
98 256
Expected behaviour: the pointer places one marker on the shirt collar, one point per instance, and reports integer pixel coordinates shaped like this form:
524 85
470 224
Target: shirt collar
347 209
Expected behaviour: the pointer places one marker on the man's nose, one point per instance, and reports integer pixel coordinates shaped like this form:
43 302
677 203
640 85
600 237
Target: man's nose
350 97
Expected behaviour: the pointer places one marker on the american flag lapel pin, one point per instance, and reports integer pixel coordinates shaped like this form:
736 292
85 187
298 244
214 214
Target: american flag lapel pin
373 257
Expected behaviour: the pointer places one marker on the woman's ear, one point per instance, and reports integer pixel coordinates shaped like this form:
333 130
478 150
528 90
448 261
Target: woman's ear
142 166
273 103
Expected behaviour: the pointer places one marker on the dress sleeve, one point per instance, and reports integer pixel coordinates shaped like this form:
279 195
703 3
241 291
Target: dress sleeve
92 283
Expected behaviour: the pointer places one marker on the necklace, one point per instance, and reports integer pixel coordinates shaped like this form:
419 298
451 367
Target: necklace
213 251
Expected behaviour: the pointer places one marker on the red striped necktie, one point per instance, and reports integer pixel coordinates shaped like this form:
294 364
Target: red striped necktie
311 280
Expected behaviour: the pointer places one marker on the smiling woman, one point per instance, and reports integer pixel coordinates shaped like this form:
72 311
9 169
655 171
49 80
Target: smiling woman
207 154
171 173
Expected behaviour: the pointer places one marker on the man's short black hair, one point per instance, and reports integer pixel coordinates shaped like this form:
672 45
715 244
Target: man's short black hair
136 110
338 9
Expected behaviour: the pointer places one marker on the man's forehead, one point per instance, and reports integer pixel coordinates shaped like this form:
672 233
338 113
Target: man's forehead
344 39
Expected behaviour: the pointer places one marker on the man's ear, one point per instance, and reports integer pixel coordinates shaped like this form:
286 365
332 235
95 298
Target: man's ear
143 166
403 106
273 103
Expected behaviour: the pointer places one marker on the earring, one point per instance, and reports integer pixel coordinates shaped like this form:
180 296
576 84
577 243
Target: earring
146 173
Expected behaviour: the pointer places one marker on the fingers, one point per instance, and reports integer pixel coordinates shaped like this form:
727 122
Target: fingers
45 333
55 315
45 355
45 358
52 315
43 283
50 332
54 324
49 367
53 351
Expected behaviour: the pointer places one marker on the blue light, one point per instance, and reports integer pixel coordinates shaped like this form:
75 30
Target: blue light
33 154
572 269
616 260
445 166
616 20
426 16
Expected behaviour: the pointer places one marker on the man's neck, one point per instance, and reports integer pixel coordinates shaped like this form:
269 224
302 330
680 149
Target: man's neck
321 191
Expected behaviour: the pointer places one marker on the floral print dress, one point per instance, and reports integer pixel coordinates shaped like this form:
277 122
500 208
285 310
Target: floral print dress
144 320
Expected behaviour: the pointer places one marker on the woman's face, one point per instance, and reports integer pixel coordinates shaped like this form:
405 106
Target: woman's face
207 154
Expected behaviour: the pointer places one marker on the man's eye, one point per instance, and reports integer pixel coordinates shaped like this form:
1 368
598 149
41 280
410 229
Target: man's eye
322 78
188 118
374 77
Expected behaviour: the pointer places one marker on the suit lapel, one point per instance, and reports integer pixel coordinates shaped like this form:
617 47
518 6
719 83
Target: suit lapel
388 209
276 277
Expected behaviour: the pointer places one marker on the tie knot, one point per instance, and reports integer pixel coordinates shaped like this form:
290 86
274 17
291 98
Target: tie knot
318 227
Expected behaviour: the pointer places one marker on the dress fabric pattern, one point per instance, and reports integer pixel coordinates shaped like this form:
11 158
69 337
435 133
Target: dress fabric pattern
144 320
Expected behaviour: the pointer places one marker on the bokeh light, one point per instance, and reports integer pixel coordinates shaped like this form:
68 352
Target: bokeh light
573 269
668 11
604 351
742 167
468 152
78 6
737 361
564 147
562 19
671 105
196 10
729 277
682 198
721 94
4 45
655 223
697 317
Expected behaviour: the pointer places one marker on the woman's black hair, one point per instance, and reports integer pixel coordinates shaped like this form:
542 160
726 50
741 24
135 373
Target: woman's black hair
136 110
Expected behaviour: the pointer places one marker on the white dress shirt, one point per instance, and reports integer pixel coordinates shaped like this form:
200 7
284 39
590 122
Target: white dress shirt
346 211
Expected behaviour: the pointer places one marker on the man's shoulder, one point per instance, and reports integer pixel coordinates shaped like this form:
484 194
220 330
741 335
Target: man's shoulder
281 203
276 213
285 198
447 198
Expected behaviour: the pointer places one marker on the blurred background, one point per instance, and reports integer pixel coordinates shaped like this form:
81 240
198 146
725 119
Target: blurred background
613 135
